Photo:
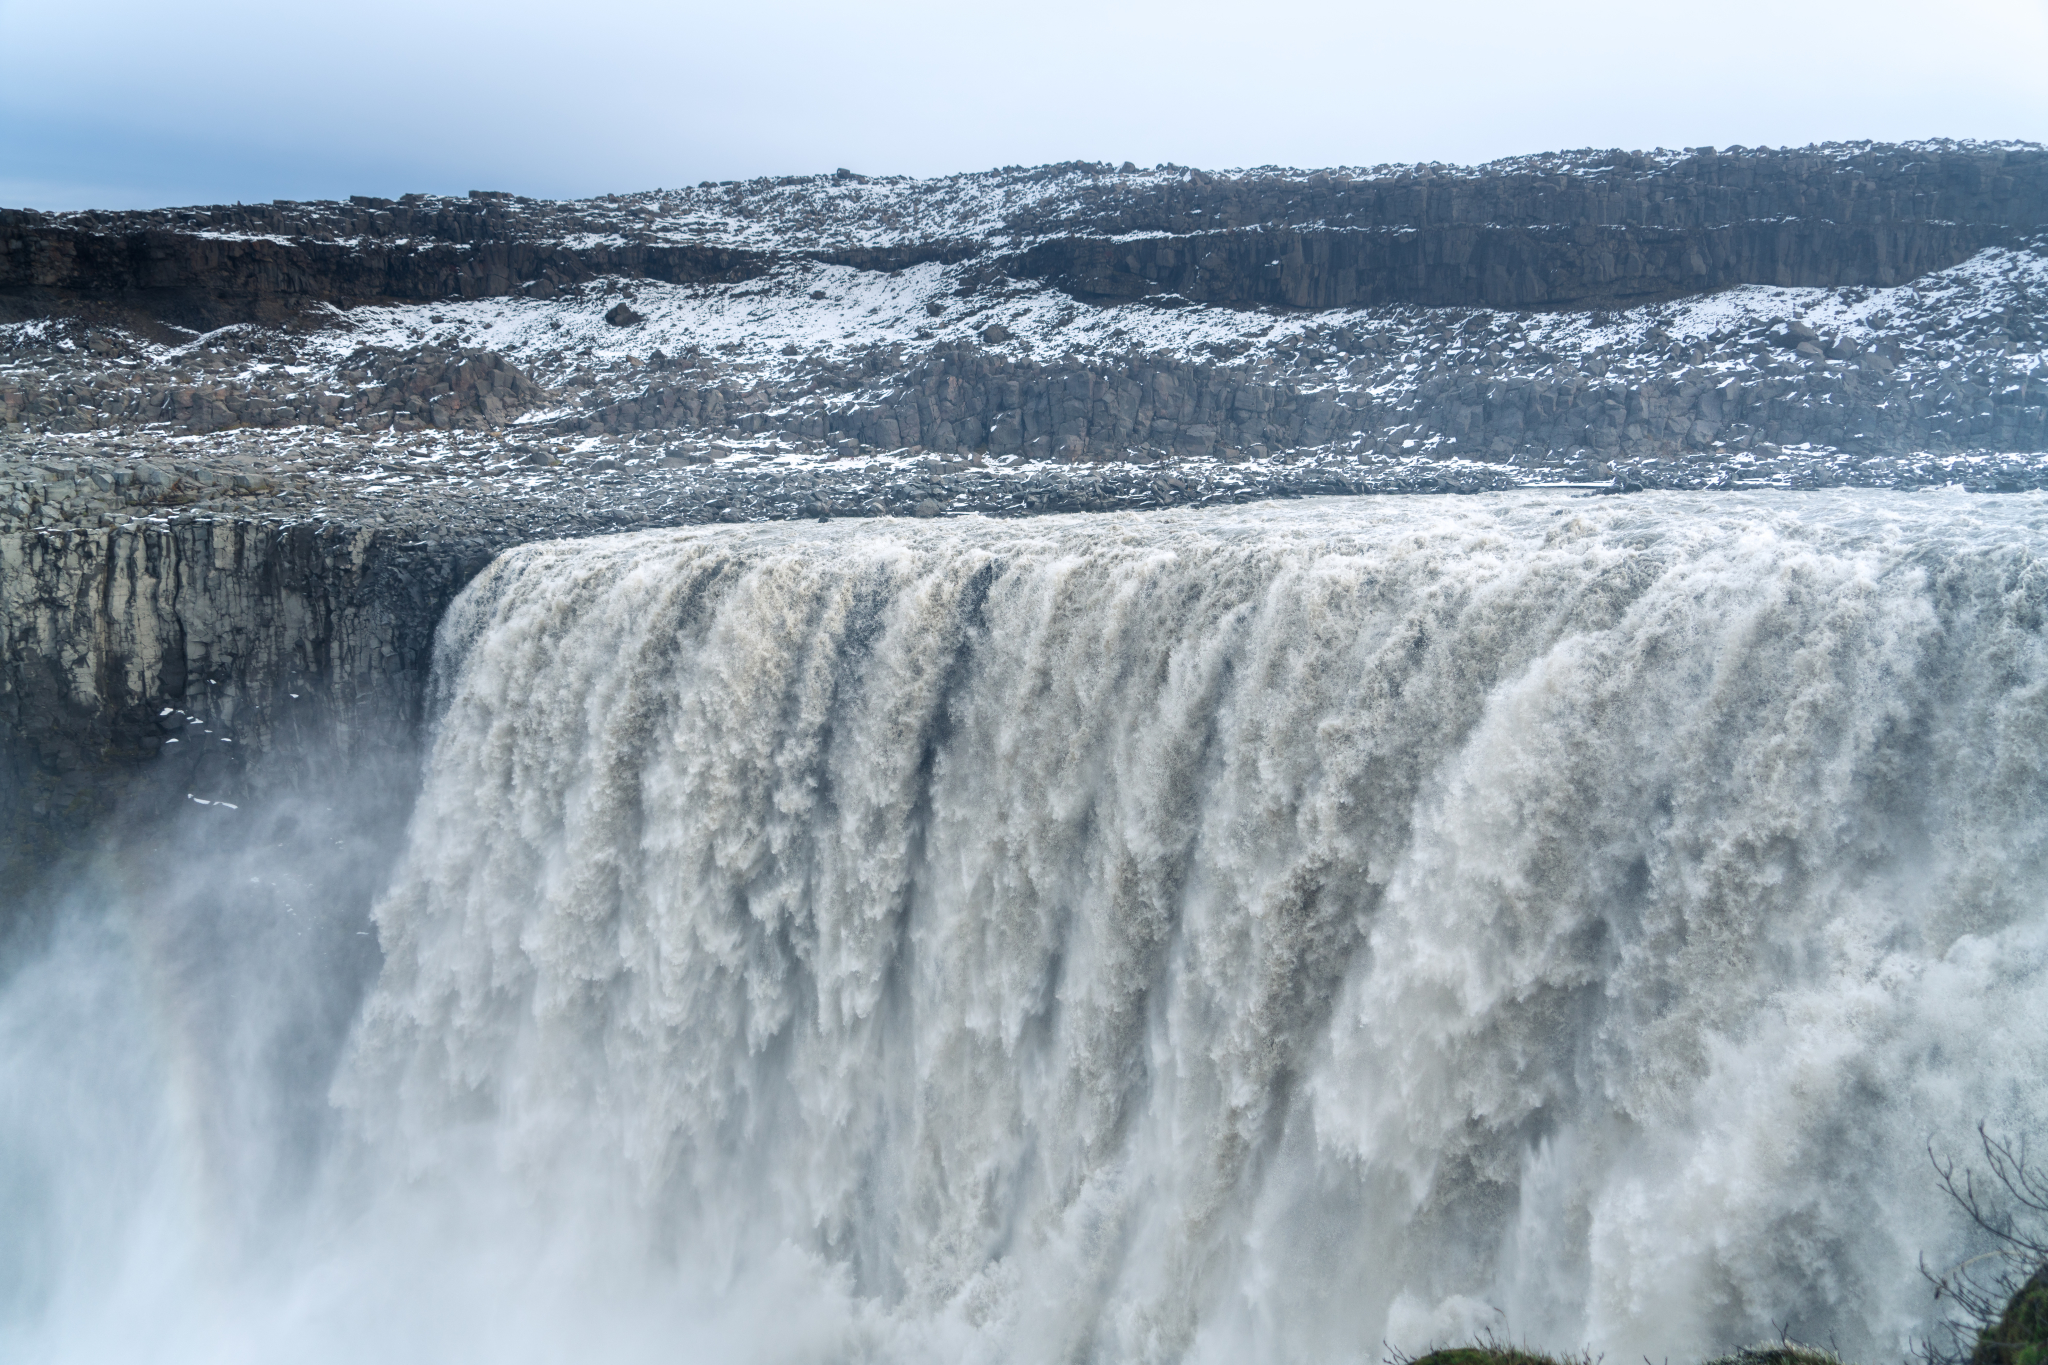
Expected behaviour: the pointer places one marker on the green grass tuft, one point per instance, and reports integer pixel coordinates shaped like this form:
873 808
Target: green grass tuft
1779 1353
1487 1351
2020 1337
1492 1355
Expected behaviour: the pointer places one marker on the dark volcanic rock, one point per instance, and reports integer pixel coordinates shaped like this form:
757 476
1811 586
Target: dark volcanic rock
1491 266
1561 230
201 278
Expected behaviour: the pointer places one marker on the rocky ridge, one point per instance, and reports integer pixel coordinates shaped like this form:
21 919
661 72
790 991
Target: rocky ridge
1547 230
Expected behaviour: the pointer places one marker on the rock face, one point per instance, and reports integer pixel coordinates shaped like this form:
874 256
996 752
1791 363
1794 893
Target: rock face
1542 232
1563 230
178 269
1493 266
1844 183
182 652
435 388
970 398
248 453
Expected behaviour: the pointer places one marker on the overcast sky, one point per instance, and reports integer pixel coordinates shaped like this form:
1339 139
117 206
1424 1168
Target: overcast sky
134 103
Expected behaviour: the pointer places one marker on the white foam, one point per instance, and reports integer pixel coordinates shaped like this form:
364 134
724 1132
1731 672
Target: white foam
1269 933
1255 935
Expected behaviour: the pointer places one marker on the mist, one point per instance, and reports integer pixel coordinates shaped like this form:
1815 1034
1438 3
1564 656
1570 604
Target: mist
1262 934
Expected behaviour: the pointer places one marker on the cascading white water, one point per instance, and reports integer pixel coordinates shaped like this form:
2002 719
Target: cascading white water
1254 935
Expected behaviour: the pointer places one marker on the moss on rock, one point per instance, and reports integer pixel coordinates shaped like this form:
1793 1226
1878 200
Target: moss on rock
1779 1353
1491 1354
2021 1334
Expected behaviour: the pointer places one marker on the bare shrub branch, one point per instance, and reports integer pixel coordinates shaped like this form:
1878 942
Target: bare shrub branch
2011 1207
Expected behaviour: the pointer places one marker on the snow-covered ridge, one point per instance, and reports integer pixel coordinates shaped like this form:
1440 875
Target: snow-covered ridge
844 210
1053 321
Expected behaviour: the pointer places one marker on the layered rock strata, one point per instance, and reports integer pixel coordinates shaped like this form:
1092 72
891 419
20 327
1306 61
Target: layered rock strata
181 651
1557 230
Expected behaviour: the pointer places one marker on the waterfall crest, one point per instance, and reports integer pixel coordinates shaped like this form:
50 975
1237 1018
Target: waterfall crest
1253 934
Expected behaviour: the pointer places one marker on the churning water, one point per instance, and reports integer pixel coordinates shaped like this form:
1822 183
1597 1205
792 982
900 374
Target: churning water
1259 935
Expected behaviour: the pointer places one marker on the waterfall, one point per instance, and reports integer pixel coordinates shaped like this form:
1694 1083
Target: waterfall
1257 934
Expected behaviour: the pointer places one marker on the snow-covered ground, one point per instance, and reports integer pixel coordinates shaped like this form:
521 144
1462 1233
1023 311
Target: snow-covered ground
819 309
807 359
783 324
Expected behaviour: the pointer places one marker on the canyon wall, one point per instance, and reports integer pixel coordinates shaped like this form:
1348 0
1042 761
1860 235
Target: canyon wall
177 656
1570 229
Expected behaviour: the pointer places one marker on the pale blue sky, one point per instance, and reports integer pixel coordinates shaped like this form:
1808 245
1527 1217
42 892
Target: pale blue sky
127 103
